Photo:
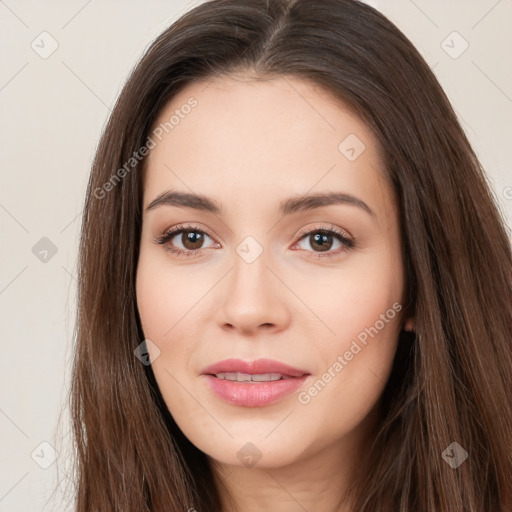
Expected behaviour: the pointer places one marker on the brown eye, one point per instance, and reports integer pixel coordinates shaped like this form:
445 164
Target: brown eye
183 240
325 242
192 240
321 241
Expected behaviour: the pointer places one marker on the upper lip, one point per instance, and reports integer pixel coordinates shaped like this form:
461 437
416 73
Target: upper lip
259 366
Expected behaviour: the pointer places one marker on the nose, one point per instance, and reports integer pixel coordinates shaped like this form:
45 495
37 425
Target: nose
253 299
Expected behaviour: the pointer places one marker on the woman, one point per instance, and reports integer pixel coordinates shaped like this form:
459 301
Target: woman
295 284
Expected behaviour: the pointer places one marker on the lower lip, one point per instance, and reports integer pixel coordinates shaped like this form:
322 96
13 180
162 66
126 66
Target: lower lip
253 395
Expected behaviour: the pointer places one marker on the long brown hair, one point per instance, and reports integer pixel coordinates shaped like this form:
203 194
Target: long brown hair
451 381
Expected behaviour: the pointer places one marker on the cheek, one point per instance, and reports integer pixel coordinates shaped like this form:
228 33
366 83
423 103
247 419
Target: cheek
152 298
353 296
166 295
170 300
363 314
163 313
161 306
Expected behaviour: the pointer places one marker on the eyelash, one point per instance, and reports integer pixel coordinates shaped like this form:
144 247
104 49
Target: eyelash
348 243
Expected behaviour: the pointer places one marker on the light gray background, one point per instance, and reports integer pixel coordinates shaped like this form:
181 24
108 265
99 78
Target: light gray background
52 113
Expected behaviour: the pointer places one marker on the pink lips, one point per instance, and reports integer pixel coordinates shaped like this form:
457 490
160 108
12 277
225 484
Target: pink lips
253 394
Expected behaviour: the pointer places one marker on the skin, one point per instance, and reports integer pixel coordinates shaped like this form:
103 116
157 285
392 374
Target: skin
249 145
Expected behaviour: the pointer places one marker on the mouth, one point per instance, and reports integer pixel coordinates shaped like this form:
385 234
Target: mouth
253 384
259 367
247 377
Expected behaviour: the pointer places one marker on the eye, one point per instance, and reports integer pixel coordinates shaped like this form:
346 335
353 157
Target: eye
323 239
189 240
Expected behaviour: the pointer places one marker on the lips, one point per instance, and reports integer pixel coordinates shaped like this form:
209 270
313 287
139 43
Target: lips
254 383
257 367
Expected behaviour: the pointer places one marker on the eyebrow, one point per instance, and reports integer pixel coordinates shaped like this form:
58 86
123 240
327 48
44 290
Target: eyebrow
286 207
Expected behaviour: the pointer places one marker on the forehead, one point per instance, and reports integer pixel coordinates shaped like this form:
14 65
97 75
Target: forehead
262 139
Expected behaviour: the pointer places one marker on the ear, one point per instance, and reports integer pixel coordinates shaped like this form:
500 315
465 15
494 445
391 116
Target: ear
409 325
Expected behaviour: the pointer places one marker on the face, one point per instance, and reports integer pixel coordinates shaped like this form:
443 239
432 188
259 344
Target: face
256 269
